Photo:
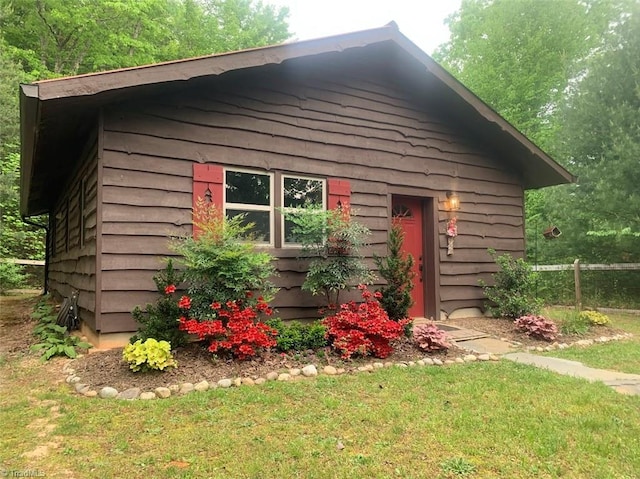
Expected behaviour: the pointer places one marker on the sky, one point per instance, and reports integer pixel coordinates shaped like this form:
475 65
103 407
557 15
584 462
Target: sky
422 21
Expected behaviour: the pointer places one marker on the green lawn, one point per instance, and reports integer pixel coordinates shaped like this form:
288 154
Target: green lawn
488 420
504 419
619 355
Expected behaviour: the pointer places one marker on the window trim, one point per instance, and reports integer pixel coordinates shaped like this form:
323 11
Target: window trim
283 243
252 207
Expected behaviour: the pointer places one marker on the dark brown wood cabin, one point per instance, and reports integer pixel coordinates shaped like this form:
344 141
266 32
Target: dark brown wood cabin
116 159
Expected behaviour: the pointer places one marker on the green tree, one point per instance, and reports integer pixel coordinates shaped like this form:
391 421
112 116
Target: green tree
600 141
518 56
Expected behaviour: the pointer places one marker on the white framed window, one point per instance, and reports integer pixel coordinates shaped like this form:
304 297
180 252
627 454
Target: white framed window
250 193
297 192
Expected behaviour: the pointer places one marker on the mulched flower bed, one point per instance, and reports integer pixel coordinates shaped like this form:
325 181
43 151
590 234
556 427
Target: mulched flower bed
195 364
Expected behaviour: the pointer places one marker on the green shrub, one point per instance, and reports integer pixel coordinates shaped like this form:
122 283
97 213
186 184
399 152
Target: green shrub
149 355
11 276
333 240
297 336
222 264
160 321
55 340
396 269
512 294
574 323
595 318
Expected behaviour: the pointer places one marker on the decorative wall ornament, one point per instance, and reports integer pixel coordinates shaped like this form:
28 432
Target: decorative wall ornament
452 232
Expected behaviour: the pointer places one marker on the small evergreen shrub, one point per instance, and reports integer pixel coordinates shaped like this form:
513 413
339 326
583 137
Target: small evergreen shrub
511 295
149 355
396 269
595 318
537 327
297 336
364 328
429 338
160 321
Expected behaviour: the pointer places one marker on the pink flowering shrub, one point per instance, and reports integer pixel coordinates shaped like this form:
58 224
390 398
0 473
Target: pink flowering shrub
537 327
363 328
429 338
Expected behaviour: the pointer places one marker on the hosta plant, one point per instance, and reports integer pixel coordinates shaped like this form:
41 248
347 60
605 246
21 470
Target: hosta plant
429 338
595 318
537 327
149 355
364 328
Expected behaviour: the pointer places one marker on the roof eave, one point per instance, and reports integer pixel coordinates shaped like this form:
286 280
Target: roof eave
29 119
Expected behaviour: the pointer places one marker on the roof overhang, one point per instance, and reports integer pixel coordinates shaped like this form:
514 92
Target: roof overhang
54 112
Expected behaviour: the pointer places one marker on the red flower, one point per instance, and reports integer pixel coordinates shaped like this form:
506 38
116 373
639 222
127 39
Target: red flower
216 305
170 289
249 294
184 303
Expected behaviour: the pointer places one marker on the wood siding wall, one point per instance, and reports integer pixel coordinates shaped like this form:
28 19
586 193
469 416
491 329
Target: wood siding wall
360 128
73 223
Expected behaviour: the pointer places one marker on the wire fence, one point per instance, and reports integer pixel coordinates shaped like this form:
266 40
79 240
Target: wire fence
613 285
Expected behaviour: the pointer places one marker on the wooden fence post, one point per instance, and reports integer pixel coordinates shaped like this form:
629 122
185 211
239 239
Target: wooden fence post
576 275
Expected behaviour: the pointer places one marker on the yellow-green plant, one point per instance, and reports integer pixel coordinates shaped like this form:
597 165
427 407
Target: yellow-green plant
595 318
148 355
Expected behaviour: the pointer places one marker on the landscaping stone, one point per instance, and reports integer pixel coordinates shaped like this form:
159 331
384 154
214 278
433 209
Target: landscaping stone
309 371
108 392
237 382
284 377
174 388
584 342
459 360
494 357
548 348
72 379
341 370
91 393
469 358
147 395
388 364
539 349
437 362
79 388
201 386
428 361
563 346
225 383
295 372
378 365
484 357
449 361
186 388
248 382
330 370
420 362
129 394
260 381
272 376
402 365
163 393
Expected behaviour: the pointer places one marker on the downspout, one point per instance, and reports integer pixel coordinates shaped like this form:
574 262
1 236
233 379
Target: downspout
46 250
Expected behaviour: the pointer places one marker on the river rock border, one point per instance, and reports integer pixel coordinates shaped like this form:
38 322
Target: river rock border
294 374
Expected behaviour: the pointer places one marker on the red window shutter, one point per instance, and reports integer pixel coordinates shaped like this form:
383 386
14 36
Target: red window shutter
208 182
339 192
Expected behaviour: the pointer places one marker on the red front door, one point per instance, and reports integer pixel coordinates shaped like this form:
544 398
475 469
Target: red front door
409 213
